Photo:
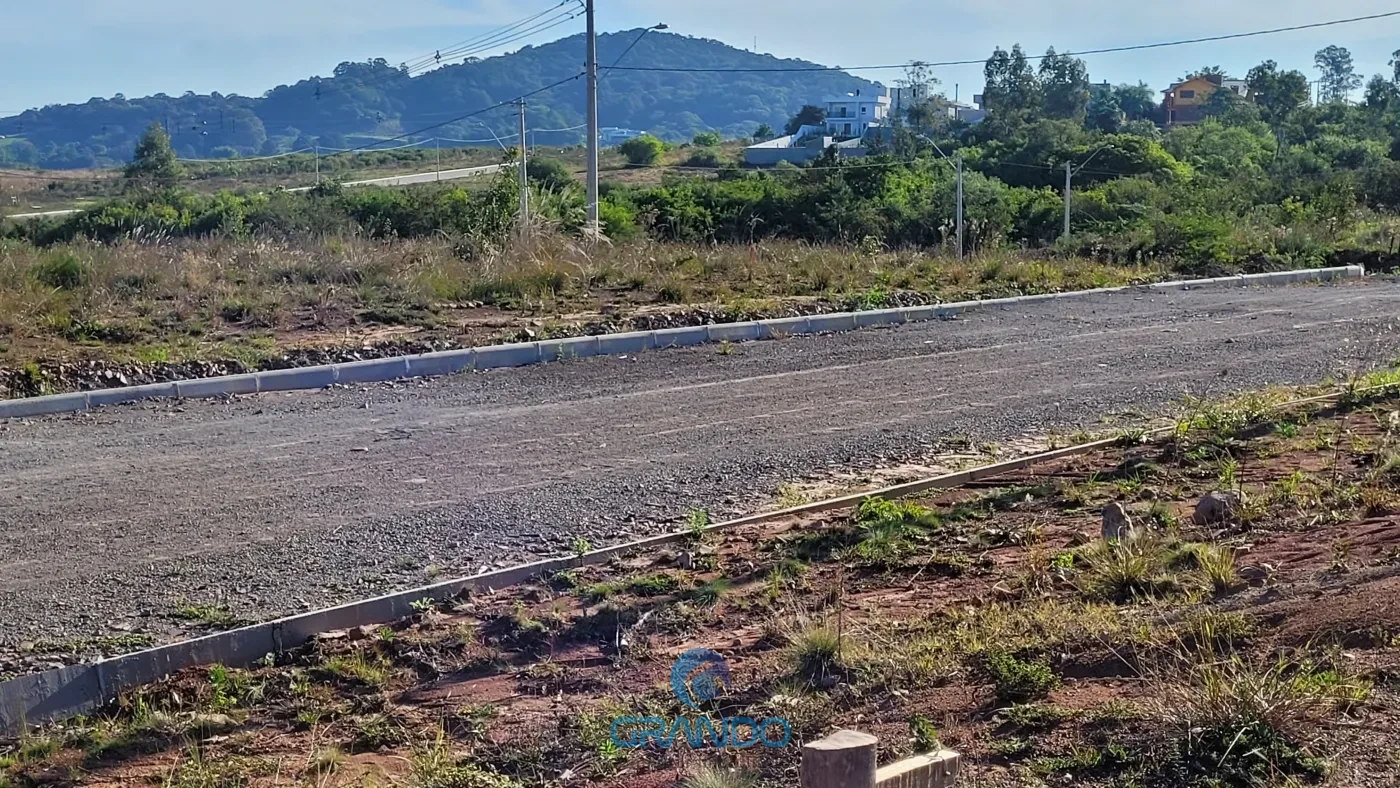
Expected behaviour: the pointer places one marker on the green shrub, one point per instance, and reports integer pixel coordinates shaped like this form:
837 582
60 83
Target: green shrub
62 270
1018 680
642 151
705 159
618 220
550 173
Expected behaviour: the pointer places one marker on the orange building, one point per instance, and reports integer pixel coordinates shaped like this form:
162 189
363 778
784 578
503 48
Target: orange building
1184 101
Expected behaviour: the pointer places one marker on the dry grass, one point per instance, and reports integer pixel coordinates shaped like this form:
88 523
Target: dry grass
224 297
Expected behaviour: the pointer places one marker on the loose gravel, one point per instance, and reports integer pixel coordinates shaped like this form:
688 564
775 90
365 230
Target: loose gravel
113 523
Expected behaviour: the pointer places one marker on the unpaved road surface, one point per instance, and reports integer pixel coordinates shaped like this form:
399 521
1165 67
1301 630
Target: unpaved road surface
275 503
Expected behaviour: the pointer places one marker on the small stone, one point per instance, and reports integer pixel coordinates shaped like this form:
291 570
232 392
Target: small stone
210 724
1117 525
1218 506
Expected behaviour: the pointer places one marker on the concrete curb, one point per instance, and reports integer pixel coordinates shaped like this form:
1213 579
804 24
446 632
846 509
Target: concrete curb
525 353
65 692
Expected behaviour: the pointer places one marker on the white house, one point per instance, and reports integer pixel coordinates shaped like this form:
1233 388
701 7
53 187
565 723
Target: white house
609 136
848 119
852 115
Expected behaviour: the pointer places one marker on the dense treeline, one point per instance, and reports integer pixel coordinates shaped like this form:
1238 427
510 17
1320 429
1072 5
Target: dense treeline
1260 184
361 102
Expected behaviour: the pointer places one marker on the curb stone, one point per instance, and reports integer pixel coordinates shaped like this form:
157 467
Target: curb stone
65 692
527 353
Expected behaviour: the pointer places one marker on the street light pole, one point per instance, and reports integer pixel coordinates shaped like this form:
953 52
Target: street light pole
960 207
1069 174
591 100
524 176
1070 171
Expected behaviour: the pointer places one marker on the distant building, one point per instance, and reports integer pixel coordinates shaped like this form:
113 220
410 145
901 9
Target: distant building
902 98
1184 102
609 136
852 115
849 119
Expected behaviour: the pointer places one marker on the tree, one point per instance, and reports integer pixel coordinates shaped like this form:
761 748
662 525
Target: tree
20 152
1278 94
1012 93
763 132
1339 77
1205 71
1381 93
642 151
1137 101
1103 112
916 95
153 163
1395 66
809 115
1222 103
705 139
1023 90
1064 86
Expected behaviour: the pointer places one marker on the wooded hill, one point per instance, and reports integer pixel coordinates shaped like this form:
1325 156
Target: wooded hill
371 100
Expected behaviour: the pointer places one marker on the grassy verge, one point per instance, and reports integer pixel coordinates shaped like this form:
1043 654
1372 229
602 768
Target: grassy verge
250 301
991 620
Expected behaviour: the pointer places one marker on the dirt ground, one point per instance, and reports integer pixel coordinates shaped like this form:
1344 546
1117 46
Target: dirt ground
1252 641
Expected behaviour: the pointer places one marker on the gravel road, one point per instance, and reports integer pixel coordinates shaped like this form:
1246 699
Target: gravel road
280 502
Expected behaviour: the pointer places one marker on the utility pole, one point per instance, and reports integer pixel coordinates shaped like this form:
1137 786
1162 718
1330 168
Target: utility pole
437 144
591 100
1068 175
960 207
524 176
318 161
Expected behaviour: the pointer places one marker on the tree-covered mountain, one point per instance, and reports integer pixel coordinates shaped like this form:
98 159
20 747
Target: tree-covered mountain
374 99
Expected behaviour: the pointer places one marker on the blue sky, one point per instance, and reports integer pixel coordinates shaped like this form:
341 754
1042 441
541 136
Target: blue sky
63 51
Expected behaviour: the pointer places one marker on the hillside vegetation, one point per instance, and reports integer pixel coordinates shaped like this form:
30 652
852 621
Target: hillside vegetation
364 101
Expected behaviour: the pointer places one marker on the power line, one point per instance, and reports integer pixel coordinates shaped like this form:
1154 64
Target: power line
979 61
502 38
491 40
508 102
438 55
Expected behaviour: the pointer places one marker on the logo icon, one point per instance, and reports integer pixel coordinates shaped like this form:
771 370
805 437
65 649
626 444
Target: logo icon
699 675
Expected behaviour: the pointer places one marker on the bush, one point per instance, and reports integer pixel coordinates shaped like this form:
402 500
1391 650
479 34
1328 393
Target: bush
550 173
708 159
642 151
618 220
62 271
706 139
1017 680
